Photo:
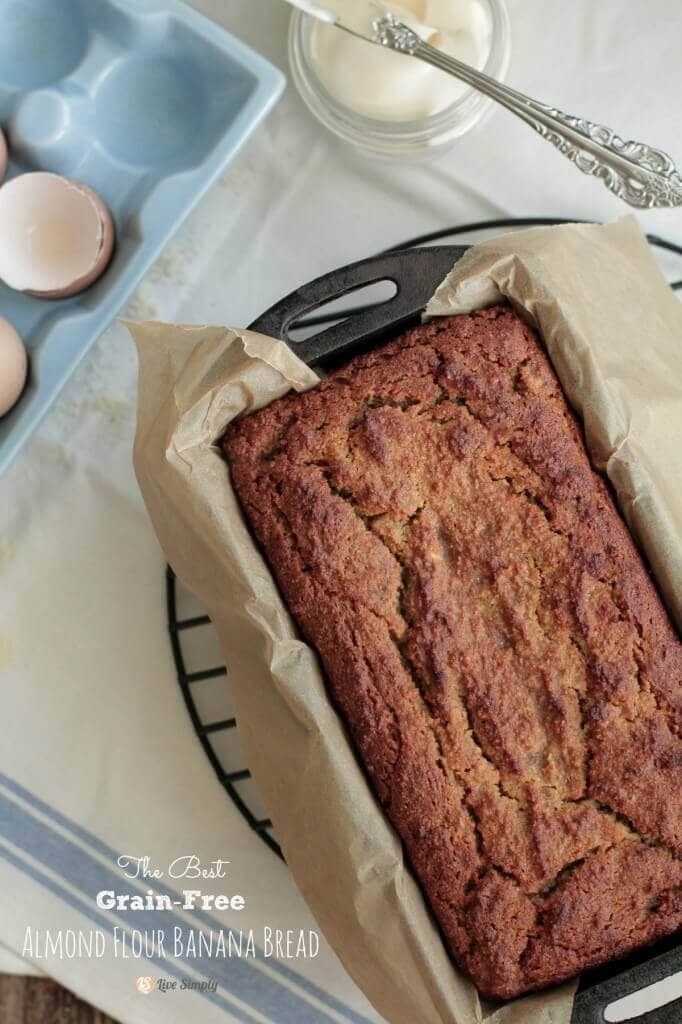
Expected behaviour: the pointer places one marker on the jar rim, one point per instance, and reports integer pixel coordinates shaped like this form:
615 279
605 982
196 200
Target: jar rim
455 119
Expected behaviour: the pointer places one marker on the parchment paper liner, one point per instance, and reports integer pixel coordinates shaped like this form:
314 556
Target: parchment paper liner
614 332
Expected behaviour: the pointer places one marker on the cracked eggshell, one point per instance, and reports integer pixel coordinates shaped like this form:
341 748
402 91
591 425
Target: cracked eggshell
56 236
3 155
13 366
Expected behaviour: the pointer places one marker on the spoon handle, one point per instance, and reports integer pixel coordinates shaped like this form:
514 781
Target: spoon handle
642 176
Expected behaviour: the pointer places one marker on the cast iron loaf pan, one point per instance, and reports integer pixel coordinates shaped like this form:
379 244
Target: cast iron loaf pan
416 273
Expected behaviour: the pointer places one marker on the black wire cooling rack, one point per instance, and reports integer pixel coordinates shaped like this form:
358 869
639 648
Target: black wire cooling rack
225 756
231 777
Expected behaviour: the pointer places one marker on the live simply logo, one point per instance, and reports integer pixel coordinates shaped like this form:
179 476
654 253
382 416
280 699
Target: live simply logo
145 985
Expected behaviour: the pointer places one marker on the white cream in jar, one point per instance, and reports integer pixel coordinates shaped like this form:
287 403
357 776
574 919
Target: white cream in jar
378 83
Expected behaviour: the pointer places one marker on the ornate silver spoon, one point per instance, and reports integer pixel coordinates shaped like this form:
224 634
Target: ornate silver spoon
642 176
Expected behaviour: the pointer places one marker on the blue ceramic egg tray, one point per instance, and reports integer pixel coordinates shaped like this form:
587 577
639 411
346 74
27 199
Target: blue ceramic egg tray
146 101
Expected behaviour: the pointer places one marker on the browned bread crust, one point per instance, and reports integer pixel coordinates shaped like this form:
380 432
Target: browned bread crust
491 637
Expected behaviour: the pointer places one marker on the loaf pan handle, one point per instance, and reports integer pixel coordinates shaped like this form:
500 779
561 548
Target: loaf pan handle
599 990
416 274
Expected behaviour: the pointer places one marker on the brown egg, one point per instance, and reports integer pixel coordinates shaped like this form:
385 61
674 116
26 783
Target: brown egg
13 365
56 236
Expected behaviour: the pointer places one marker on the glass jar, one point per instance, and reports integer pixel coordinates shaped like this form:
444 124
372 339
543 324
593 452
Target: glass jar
419 138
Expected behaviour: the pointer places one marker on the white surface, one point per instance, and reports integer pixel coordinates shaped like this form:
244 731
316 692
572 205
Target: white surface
93 721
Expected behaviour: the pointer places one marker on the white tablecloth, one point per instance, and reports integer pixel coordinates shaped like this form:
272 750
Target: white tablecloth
98 757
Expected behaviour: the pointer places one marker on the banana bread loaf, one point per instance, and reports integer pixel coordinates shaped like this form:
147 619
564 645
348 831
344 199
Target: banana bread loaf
491 637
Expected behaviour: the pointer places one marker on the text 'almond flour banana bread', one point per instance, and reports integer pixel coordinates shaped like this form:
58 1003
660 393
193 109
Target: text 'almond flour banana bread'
489 633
